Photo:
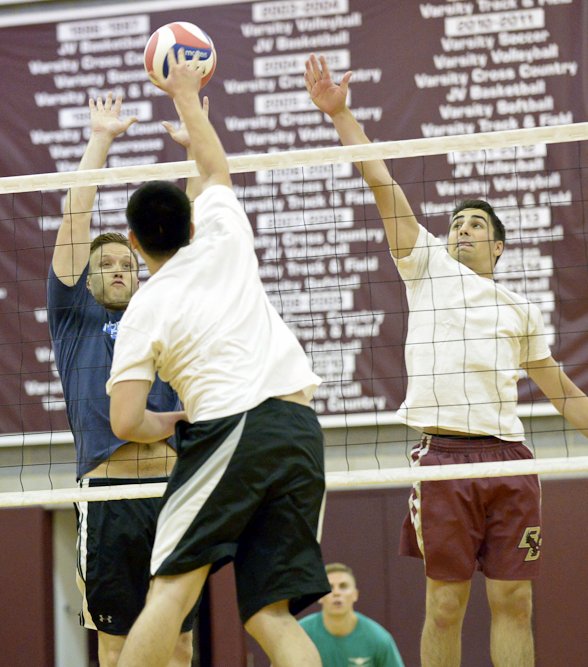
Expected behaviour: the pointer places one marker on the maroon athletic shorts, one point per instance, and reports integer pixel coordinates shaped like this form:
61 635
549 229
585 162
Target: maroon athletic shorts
456 526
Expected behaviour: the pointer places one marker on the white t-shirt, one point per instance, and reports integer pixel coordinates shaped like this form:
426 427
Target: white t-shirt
467 338
205 324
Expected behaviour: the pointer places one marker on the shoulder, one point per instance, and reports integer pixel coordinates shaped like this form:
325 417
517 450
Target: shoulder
214 196
533 310
311 621
372 626
425 243
218 207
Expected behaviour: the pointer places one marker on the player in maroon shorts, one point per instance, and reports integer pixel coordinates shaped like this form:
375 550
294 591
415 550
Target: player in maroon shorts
467 339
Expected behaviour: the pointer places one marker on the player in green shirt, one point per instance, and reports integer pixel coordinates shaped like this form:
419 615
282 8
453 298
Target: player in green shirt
344 637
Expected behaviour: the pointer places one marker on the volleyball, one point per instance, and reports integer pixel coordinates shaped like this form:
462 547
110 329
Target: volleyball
197 46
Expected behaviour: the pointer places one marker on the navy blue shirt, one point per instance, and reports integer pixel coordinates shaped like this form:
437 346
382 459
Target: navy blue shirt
83 334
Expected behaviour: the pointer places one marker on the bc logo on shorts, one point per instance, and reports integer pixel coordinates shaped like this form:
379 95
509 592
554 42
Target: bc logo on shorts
531 541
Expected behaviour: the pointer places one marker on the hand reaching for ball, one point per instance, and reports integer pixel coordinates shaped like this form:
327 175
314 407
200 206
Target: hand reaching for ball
183 78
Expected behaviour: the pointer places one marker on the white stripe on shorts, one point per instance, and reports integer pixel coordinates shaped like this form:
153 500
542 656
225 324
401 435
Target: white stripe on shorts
183 505
82 557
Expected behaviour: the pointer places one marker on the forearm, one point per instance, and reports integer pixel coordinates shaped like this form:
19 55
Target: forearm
567 398
147 427
81 199
574 407
72 244
193 184
374 172
209 154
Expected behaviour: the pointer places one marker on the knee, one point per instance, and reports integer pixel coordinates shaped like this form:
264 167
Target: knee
109 649
268 619
514 600
184 649
445 607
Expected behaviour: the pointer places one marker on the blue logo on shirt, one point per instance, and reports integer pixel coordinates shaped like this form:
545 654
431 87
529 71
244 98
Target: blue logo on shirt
111 328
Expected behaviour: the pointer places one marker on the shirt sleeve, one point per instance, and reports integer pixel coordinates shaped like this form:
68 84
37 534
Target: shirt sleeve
218 211
65 304
415 266
534 345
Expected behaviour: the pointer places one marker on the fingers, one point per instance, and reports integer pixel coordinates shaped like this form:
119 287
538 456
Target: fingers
205 105
180 68
316 70
107 104
117 103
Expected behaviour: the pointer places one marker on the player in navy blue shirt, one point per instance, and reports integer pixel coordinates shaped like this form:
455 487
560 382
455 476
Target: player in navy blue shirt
90 284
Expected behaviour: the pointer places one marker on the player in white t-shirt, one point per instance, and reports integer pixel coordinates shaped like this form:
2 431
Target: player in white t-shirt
248 485
467 339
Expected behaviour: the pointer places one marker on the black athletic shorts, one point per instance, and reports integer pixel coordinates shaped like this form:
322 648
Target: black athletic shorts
115 539
249 488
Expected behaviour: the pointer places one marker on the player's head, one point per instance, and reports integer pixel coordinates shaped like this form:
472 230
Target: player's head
113 275
476 234
160 216
344 593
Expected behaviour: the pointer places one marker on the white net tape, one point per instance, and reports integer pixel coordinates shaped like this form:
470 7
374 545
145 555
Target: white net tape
302 158
350 479
336 481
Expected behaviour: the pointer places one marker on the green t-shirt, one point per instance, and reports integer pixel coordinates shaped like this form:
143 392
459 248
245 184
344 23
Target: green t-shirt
369 645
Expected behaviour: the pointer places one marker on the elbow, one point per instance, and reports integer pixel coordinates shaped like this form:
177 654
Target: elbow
122 427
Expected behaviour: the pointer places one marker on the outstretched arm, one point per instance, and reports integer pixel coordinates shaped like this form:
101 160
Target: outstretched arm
72 245
399 221
180 135
183 85
568 399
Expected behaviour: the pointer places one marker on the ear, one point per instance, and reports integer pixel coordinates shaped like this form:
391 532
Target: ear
498 248
133 240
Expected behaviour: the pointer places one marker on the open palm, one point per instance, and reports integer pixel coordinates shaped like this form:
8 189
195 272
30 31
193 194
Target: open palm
105 116
328 96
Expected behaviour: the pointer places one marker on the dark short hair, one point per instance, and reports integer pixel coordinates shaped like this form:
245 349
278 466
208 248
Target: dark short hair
159 214
499 231
112 237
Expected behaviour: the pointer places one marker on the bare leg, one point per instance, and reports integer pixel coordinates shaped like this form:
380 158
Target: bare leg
109 648
154 635
283 640
445 611
511 632
182 655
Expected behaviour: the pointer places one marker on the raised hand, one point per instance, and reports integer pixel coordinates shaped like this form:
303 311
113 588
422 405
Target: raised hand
329 97
182 76
179 133
105 116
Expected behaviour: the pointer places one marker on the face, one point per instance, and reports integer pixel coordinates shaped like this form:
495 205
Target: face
343 595
471 240
113 276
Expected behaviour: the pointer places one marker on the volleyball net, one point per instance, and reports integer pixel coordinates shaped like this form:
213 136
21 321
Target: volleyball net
326 268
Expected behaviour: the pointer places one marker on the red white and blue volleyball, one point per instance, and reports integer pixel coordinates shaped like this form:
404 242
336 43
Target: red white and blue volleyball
197 45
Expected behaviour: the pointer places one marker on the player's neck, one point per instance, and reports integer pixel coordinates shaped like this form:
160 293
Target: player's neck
340 626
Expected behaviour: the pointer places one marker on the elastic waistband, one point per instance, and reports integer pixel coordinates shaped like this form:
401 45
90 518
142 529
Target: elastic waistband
456 443
119 481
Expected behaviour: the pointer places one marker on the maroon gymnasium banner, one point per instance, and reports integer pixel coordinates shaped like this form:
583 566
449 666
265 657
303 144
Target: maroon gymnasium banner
421 69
